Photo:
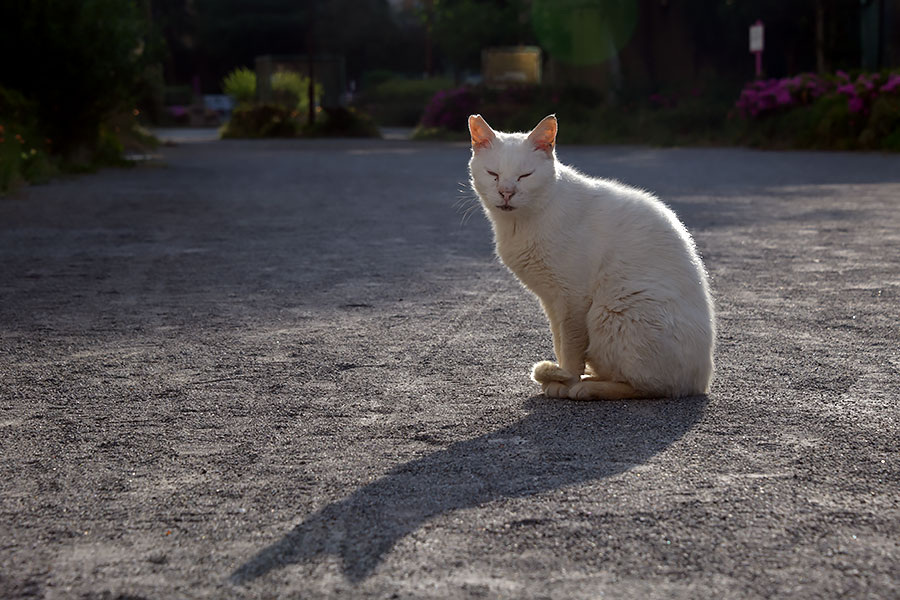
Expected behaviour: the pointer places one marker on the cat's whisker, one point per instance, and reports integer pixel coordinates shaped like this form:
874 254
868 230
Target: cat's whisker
468 205
468 214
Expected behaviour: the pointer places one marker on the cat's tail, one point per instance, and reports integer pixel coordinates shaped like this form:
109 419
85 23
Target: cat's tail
546 372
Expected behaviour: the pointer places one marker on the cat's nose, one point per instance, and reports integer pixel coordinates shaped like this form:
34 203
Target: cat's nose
507 194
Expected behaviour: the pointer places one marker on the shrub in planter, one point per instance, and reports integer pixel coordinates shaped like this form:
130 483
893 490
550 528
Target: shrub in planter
292 90
262 120
240 84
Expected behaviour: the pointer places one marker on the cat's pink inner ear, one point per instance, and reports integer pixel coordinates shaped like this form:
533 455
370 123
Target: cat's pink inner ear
544 135
482 134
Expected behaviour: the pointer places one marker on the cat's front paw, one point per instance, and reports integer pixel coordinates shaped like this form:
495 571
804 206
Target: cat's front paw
555 389
580 391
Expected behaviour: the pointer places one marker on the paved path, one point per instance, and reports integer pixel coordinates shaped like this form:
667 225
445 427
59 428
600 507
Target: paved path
294 367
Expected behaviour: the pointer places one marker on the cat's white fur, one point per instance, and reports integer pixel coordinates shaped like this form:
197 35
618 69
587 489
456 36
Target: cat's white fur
616 272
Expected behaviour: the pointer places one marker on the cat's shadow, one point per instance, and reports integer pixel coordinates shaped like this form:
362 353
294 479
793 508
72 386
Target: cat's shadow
558 444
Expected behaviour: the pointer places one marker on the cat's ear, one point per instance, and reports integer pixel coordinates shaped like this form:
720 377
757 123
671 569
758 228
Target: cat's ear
543 137
482 134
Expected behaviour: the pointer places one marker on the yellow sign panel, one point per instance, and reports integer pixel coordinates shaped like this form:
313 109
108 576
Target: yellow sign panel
510 66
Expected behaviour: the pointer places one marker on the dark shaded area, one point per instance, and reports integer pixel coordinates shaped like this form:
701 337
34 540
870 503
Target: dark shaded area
558 444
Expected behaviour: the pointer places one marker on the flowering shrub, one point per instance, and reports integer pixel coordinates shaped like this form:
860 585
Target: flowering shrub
867 87
838 111
767 96
450 109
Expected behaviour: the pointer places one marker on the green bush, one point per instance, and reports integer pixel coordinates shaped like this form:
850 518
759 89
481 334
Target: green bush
262 120
883 129
292 91
399 101
835 127
289 89
342 122
240 84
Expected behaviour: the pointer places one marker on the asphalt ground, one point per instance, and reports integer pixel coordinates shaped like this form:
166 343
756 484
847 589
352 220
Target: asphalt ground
274 369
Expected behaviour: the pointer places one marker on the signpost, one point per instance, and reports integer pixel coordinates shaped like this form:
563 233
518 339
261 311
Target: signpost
757 42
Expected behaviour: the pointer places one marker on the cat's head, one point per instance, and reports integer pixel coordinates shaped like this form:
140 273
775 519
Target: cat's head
511 171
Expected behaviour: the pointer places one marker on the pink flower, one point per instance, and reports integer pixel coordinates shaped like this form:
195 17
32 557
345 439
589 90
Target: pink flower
782 96
855 104
848 89
892 84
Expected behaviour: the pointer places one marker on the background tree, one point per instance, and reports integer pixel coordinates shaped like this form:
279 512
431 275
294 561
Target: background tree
77 61
463 28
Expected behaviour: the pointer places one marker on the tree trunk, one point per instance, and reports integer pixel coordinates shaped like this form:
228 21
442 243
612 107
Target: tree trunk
820 36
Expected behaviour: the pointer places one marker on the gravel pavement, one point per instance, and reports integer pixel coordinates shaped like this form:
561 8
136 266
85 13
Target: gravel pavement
273 369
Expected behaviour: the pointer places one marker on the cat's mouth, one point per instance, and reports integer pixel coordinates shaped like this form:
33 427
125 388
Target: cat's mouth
506 207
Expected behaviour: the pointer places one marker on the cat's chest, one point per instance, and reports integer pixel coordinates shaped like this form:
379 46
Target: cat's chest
530 262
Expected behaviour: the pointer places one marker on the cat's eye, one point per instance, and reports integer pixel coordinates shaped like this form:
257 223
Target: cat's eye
524 175
492 174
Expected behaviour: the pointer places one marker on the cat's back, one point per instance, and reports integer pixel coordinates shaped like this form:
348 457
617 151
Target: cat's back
632 241
623 214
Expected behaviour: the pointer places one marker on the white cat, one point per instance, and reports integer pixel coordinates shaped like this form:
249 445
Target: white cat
615 270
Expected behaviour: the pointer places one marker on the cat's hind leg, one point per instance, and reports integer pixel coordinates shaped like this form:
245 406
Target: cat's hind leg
554 379
593 389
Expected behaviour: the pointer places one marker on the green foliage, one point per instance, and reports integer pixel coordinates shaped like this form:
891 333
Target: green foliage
399 101
342 122
292 90
84 61
883 129
375 77
262 120
275 120
462 28
585 33
24 155
402 89
240 84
